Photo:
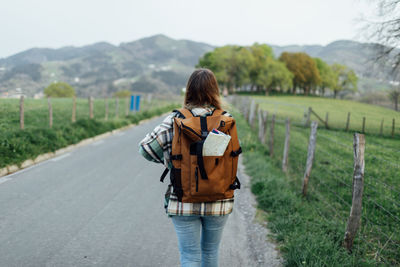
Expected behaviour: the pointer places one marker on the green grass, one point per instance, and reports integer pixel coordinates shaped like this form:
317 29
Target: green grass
18 145
295 108
37 115
310 230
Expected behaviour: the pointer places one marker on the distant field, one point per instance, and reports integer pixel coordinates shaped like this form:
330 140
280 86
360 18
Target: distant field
37 116
295 108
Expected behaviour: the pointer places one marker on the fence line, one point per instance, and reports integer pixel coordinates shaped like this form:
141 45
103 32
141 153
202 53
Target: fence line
90 104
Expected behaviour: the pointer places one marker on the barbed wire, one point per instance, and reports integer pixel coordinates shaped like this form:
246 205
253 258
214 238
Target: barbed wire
387 161
338 179
335 193
322 198
347 147
383 183
373 188
331 156
378 228
380 145
388 212
370 245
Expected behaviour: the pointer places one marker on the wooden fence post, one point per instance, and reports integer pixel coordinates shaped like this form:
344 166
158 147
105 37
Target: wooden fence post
106 111
393 127
326 119
319 118
310 155
126 106
73 119
363 125
262 124
285 160
246 113
21 113
116 107
271 136
358 186
255 115
308 116
90 107
265 116
252 112
348 122
50 112
381 130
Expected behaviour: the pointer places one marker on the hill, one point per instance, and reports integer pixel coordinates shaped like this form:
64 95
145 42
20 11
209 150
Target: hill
153 64
157 63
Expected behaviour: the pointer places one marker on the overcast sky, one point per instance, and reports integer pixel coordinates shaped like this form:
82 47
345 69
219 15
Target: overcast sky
55 23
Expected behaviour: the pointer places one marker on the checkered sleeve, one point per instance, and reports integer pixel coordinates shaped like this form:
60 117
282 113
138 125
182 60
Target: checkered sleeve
157 145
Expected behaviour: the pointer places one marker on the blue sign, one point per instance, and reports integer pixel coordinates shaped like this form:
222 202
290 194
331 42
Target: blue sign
137 106
132 107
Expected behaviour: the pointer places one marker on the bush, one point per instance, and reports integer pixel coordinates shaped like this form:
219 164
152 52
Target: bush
59 89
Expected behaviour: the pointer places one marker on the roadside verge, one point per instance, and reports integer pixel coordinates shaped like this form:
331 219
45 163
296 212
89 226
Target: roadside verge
51 153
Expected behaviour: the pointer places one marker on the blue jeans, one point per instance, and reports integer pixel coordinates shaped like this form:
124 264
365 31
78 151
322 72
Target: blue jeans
199 249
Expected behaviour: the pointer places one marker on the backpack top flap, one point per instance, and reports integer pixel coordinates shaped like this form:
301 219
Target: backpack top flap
197 128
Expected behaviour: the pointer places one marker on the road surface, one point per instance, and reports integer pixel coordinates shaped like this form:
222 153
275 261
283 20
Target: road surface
102 205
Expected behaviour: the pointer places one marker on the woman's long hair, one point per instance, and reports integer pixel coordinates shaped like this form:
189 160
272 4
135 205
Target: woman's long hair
202 89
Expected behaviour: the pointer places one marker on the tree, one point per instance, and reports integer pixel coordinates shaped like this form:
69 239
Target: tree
304 70
59 89
230 65
261 54
122 94
274 75
326 74
214 61
384 29
345 79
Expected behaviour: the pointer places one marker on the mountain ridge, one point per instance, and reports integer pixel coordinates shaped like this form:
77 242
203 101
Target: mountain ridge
155 63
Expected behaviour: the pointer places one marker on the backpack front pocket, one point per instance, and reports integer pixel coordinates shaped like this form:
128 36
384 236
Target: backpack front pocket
215 183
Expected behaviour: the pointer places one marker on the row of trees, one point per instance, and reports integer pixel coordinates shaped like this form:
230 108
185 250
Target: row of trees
256 67
63 89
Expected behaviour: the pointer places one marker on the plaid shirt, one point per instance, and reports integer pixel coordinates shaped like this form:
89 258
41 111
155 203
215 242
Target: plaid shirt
157 147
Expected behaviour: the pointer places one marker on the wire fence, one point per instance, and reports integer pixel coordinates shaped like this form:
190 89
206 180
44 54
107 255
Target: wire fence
41 113
332 180
341 116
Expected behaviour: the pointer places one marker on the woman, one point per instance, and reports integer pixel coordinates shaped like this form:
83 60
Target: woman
198 226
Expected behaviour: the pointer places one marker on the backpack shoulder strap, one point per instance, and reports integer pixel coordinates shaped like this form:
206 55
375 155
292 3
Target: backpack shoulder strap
184 113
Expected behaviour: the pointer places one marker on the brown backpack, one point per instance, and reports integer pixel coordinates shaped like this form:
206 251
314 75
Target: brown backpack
198 178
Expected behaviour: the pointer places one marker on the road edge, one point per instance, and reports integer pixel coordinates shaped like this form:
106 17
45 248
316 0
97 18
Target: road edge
262 247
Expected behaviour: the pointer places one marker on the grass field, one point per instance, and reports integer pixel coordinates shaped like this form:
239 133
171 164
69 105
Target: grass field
37 114
17 145
311 229
295 107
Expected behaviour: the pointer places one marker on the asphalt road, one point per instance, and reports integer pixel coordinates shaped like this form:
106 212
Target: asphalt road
102 205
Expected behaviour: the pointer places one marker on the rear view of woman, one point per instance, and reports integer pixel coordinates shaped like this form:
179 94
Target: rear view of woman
198 224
